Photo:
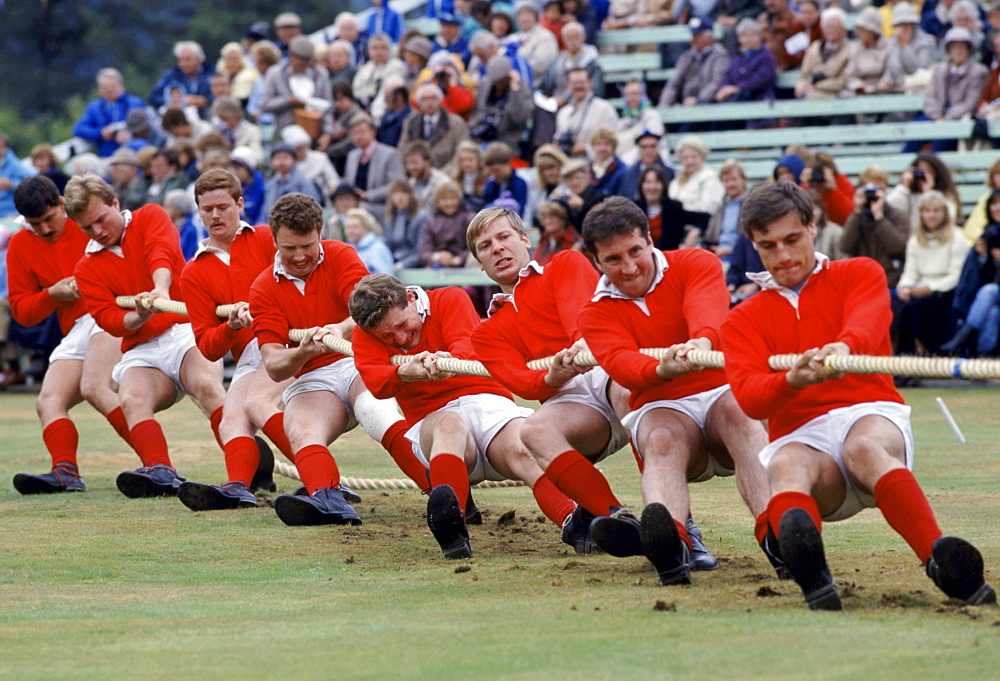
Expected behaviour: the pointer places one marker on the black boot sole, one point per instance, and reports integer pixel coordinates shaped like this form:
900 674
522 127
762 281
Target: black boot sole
616 536
663 546
956 566
444 518
802 550
200 497
297 512
136 486
26 483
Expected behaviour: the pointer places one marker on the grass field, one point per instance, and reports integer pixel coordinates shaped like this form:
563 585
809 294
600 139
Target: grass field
96 586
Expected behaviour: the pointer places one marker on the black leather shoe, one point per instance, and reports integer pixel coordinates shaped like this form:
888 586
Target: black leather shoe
155 481
576 531
617 534
956 567
200 497
326 507
773 552
663 546
64 477
444 518
802 550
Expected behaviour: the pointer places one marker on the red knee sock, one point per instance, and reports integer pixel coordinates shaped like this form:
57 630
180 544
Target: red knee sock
215 419
761 526
316 467
61 439
902 502
242 458
682 530
150 443
401 451
554 504
274 429
785 501
449 469
116 417
635 452
578 479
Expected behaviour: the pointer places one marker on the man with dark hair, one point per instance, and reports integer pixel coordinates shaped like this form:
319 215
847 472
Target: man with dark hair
397 108
165 173
159 357
578 423
40 262
309 287
220 273
464 428
839 442
685 424
371 166
504 182
423 177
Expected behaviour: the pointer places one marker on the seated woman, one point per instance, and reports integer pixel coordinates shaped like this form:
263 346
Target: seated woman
697 186
752 72
363 232
823 72
470 173
558 233
404 225
979 216
934 258
911 53
978 292
724 225
866 64
442 243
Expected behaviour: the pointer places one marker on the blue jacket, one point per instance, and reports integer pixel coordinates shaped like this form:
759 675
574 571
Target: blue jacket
435 8
610 183
402 236
390 130
743 259
516 188
754 73
15 171
374 254
253 200
99 114
201 84
295 181
389 22
629 185
191 235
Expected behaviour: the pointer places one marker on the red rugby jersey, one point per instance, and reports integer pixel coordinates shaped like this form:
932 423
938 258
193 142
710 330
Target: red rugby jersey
277 305
540 321
446 327
33 265
150 242
208 281
848 301
691 301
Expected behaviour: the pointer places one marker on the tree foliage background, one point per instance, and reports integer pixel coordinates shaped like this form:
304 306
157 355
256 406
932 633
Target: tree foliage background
51 50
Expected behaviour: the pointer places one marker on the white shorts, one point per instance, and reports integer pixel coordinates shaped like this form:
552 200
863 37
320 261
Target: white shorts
485 415
74 344
335 378
249 361
164 352
827 433
695 406
591 389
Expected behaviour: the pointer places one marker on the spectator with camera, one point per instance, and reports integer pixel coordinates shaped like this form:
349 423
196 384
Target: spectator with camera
503 105
876 229
834 189
576 121
448 72
926 173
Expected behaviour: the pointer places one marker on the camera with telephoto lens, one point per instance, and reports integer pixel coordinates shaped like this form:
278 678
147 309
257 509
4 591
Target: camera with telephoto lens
918 177
818 177
565 142
871 195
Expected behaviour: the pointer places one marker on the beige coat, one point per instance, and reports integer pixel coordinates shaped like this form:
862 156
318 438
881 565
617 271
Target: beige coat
831 72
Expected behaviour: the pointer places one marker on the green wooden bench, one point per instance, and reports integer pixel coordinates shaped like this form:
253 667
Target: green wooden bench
444 276
967 167
792 108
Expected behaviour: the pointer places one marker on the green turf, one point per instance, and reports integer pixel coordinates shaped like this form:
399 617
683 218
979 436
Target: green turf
96 586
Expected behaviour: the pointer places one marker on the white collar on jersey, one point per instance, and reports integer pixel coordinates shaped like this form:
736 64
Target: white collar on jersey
203 246
605 289
94 247
767 282
300 284
423 302
531 268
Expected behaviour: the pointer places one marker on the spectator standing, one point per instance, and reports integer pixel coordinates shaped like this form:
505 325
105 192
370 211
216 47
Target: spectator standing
780 24
577 55
450 38
637 116
103 120
381 68
536 44
338 60
238 69
265 55
299 86
371 166
287 26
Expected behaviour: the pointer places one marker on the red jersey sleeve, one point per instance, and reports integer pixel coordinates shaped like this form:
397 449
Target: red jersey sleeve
162 240
615 348
100 299
30 302
372 358
867 311
759 390
270 325
214 338
460 318
499 354
574 282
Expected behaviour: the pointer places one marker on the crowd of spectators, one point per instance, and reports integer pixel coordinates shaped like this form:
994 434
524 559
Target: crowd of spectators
403 137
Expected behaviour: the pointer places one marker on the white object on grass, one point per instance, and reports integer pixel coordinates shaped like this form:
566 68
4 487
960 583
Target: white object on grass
951 421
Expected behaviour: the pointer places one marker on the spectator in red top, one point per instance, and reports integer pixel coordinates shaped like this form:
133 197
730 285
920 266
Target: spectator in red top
40 261
835 189
308 288
780 24
467 427
685 424
839 442
159 354
220 273
578 423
